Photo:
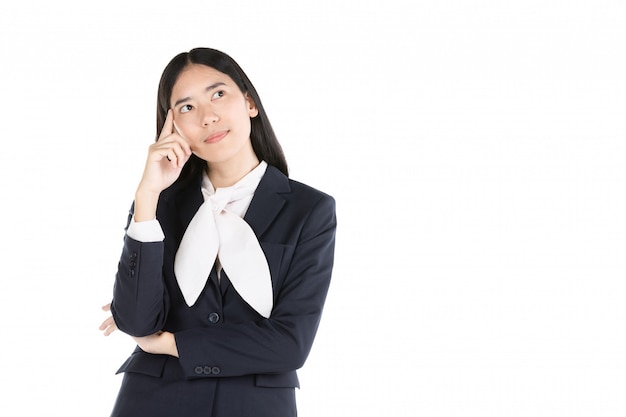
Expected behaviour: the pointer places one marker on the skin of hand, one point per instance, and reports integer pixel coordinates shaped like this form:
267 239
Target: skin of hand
158 343
166 158
108 326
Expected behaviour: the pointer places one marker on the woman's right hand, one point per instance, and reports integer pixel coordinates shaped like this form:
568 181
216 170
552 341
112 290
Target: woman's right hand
166 158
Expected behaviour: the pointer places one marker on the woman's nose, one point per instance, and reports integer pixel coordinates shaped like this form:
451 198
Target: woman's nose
209 116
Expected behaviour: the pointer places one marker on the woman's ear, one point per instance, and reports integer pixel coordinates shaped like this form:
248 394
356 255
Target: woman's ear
253 111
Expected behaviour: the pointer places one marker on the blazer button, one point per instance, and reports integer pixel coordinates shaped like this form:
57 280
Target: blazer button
214 318
206 370
198 370
216 370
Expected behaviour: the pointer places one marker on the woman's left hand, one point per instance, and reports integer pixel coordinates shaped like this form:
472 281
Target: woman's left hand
108 326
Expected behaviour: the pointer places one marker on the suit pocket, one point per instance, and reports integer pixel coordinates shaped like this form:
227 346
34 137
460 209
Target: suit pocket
284 380
144 363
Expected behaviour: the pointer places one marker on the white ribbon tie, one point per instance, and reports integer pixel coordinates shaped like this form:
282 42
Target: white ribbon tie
217 232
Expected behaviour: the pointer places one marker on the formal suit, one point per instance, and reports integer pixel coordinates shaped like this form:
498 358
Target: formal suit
232 361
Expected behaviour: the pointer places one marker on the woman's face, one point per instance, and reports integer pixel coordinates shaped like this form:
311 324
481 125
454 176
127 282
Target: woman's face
212 115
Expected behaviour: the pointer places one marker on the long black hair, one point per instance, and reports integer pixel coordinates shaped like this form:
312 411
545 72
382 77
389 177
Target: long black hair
264 142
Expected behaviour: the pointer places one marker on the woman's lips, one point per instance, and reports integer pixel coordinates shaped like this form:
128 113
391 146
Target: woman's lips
216 137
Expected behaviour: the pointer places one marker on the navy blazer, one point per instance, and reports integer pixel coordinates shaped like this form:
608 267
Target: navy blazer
232 361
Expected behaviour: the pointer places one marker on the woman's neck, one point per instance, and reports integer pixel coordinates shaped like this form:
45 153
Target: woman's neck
227 174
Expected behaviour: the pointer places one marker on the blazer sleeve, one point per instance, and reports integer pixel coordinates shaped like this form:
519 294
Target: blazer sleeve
282 342
140 300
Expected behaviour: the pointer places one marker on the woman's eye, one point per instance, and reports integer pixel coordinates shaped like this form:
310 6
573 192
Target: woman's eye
186 108
218 94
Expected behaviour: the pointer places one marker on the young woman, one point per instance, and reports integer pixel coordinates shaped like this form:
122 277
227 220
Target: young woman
226 261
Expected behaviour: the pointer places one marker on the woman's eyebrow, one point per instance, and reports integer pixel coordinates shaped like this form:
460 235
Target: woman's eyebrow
209 88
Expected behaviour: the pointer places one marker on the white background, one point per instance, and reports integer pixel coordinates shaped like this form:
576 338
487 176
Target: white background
476 150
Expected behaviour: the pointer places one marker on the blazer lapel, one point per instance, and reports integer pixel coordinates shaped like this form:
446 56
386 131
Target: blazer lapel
267 201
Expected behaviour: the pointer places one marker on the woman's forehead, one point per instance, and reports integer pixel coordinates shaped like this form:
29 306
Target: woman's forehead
196 78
